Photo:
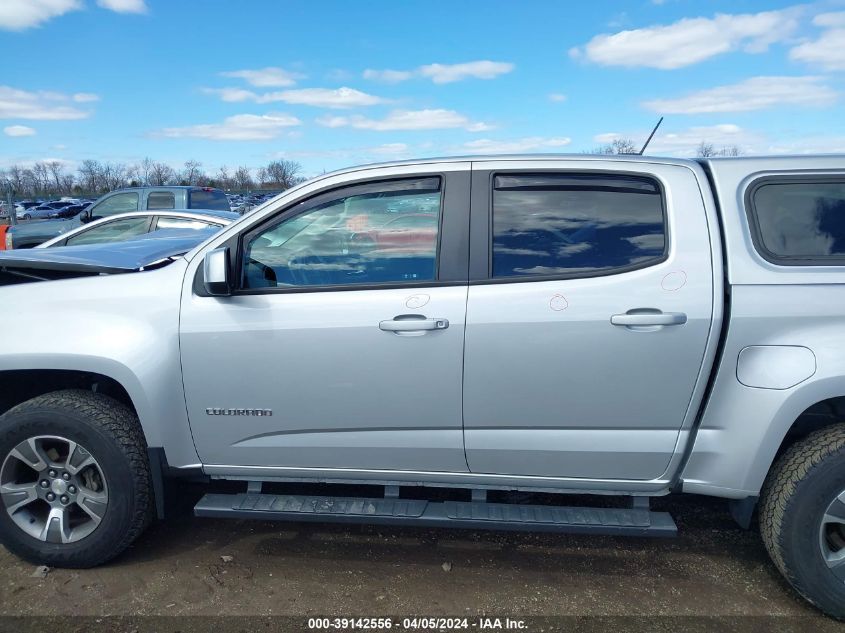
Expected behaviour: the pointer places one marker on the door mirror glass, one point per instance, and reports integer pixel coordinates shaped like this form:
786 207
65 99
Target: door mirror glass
85 216
216 272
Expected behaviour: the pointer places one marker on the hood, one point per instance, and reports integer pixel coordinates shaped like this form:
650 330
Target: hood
146 251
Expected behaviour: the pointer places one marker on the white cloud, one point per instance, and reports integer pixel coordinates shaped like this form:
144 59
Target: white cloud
18 130
266 77
407 120
828 51
318 97
448 73
85 97
17 15
388 76
43 105
755 93
517 146
690 40
241 127
444 73
124 6
557 97
324 97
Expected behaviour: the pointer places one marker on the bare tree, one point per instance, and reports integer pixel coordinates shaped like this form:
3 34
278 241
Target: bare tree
706 150
56 170
193 173
243 179
41 174
113 176
224 180
618 146
14 176
89 174
161 174
68 182
261 177
145 168
283 174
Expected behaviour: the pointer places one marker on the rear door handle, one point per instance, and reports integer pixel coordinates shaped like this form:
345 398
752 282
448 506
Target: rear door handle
412 323
649 318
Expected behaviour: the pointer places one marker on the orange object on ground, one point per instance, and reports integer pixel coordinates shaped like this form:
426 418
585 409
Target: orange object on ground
3 228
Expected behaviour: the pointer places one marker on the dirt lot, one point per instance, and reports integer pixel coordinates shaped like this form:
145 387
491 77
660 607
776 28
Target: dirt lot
177 568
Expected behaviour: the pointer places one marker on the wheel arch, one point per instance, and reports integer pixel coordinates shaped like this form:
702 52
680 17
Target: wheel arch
102 375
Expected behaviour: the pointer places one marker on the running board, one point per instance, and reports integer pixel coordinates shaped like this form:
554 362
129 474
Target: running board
636 521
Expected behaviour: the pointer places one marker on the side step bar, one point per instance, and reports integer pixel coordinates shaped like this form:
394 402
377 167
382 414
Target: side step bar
636 521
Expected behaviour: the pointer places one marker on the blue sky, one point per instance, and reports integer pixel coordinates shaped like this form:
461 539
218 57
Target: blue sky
241 83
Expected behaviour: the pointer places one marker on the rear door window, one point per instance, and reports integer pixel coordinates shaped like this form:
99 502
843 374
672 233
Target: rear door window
213 199
575 225
161 200
799 220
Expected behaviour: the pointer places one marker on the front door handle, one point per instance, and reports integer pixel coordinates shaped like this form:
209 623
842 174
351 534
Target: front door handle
637 318
413 323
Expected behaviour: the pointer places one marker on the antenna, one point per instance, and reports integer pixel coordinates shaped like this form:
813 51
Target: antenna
650 136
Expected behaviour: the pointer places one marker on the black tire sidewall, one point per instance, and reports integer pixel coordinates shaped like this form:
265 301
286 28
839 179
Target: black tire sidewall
17 427
801 551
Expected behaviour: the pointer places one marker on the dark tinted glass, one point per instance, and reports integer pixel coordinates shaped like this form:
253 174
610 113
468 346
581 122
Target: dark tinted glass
161 200
801 219
213 199
575 224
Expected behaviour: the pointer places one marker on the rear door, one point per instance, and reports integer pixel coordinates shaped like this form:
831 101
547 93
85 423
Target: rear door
589 311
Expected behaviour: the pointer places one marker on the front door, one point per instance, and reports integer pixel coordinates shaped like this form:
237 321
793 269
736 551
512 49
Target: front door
589 313
342 347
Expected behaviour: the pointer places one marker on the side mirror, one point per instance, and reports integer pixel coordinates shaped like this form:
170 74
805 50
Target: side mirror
215 272
85 216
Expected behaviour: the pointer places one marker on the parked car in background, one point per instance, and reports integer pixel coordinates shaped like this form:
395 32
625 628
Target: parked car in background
44 211
125 226
118 201
70 211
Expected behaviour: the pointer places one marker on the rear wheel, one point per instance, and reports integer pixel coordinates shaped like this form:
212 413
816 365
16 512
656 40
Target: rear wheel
802 518
74 479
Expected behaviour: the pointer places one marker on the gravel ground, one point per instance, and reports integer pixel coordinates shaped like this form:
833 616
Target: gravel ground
714 571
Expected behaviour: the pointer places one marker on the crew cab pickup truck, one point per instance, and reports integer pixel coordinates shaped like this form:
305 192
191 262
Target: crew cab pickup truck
623 326
124 200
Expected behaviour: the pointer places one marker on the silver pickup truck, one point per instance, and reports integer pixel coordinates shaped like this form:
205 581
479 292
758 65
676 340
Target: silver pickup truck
624 326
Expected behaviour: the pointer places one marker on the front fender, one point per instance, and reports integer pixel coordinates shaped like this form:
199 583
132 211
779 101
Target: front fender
121 326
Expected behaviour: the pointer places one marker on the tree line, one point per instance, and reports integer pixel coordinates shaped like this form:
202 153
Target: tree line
93 177
704 149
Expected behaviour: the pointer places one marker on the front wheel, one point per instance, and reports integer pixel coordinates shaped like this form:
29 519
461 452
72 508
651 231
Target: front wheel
802 518
74 479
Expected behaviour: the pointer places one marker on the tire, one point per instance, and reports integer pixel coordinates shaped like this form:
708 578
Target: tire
26 216
110 437
794 524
